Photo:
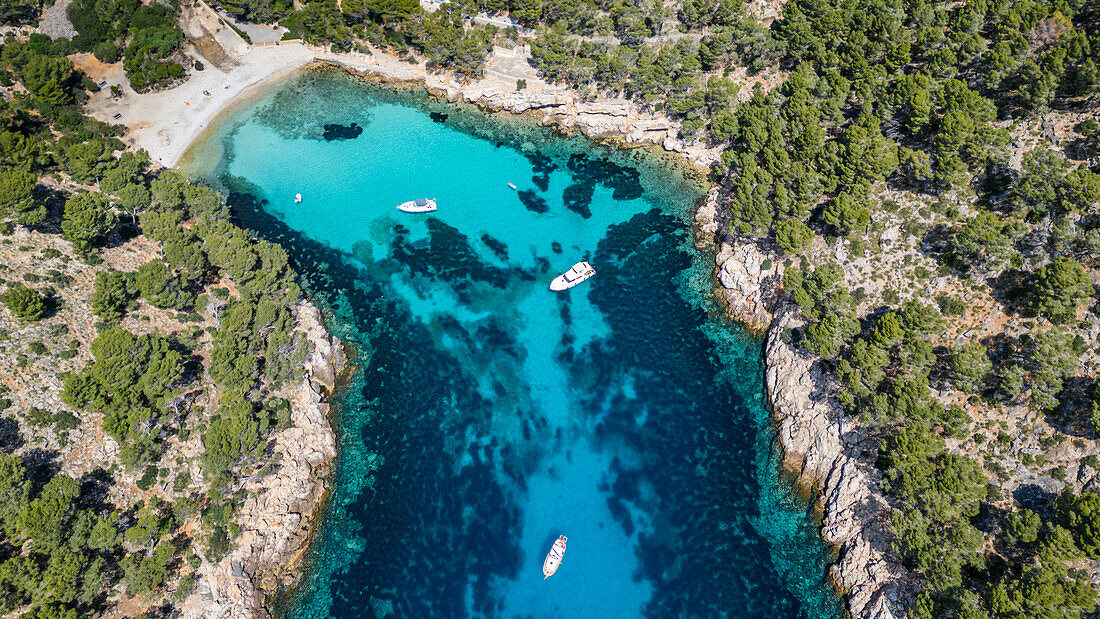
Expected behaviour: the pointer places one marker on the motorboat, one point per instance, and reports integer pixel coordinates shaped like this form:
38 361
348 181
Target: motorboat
577 274
554 557
512 185
297 198
419 205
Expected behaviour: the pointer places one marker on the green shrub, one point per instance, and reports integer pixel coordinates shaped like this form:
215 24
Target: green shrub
182 481
950 306
24 302
148 478
38 417
64 421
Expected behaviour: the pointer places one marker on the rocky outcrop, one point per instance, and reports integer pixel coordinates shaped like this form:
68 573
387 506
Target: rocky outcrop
609 119
749 282
820 446
275 521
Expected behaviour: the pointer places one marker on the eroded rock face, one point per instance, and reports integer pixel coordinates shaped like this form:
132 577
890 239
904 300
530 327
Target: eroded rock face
821 448
748 288
275 519
616 118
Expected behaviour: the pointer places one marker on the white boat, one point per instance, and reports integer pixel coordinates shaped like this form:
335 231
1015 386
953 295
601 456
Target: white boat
553 558
512 185
580 272
419 205
297 198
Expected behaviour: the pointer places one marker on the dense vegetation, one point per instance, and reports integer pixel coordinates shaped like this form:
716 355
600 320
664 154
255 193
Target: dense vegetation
20 12
64 547
143 36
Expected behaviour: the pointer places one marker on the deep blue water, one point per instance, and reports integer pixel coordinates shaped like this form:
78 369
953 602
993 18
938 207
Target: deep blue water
488 415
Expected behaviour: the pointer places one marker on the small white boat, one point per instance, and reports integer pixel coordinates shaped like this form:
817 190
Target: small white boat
419 205
297 198
554 557
512 185
580 272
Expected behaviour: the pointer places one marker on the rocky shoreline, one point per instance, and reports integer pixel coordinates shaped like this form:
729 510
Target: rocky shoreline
276 521
614 120
825 451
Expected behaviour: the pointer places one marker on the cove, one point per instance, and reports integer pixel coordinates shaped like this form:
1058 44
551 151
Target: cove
487 414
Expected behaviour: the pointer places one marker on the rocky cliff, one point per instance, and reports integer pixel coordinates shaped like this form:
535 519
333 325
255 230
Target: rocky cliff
822 448
275 521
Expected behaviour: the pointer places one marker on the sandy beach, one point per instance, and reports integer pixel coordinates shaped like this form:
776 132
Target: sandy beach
166 122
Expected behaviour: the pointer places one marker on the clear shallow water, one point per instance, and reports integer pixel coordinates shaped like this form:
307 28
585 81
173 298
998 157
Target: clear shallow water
489 415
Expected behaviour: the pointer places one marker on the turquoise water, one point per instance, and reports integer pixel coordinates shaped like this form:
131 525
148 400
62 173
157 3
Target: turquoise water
488 415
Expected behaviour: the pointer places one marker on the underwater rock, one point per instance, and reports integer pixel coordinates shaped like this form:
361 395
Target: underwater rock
541 167
499 248
578 198
342 132
534 202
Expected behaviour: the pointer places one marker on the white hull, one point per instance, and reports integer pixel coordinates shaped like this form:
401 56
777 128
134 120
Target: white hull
425 206
575 275
554 557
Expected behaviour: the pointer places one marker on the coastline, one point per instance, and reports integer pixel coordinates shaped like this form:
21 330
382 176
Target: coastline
810 430
822 448
167 123
277 520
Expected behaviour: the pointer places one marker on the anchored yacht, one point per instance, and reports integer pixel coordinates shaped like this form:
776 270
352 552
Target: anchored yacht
580 272
419 205
554 557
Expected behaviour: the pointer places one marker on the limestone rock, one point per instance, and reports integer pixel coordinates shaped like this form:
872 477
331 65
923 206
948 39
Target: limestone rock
705 215
748 289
